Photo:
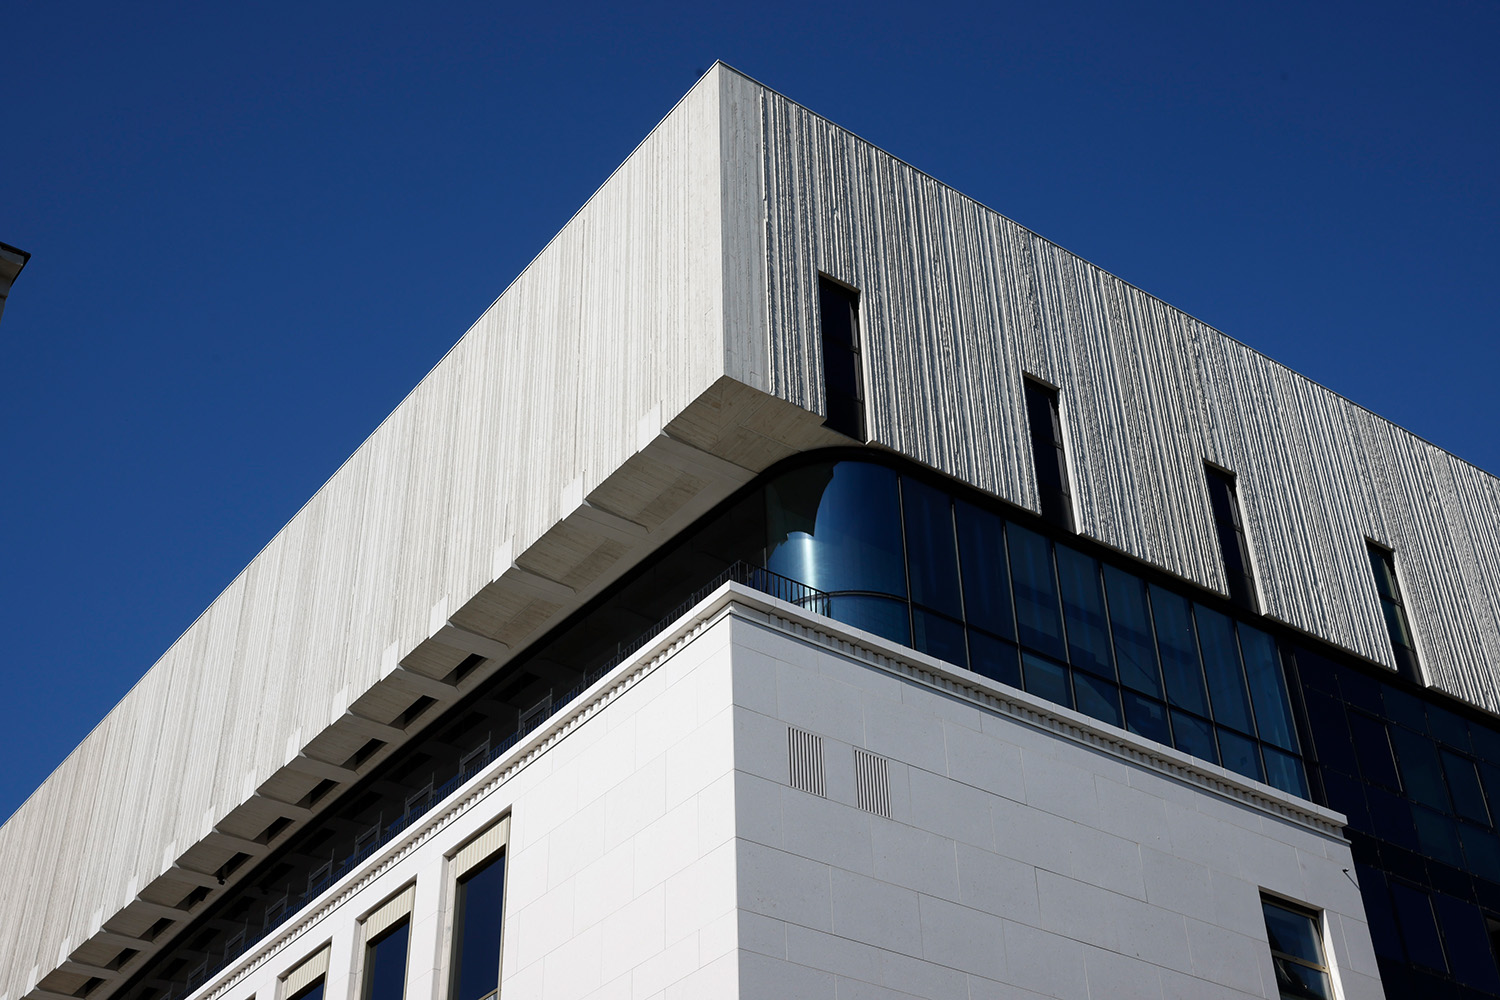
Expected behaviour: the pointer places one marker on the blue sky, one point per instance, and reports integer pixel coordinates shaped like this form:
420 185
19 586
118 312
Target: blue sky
255 227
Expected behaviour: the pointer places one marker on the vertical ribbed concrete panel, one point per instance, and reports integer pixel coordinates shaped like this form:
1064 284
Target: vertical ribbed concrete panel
617 324
958 302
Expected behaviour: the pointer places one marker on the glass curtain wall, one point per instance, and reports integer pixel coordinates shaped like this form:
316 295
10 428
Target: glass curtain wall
917 564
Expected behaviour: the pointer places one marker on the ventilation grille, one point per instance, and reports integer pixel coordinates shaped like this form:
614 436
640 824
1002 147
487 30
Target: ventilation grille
807 760
872 783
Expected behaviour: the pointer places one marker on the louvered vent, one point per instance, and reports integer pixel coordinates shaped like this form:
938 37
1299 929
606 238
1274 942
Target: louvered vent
807 760
872 783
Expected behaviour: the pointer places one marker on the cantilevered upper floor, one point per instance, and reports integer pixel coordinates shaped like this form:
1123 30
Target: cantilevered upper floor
670 343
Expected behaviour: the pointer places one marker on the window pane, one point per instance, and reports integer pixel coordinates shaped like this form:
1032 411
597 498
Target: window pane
837 527
1372 746
385 964
981 551
1466 943
1046 679
1298 982
1293 933
1221 660
1273 711
1241 755
1482 849
1285 772
1038 620
994 658
1135 650
1179 651
1421 774
939 636
1098 698
313 992
1083 610
476 931
1463 784
1420 934
881 615
1146 717
1437 836
932 563
1194 736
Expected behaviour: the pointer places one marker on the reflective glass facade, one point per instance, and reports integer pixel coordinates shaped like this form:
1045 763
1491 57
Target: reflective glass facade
905 558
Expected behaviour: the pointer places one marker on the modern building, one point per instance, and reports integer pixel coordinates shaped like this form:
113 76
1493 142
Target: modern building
805 582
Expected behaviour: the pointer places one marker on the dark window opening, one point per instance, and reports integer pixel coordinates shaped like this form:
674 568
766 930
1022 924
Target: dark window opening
1296 952
1229 525
385 964
843 379
1383 565
313 991
476 931
1049 454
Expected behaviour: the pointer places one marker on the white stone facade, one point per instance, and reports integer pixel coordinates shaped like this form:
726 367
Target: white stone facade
658 849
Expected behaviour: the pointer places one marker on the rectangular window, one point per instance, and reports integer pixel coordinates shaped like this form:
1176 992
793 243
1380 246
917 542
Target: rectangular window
1233 547
387 933
305 982
843 378
1383 565
1296 951
479 907
1049 455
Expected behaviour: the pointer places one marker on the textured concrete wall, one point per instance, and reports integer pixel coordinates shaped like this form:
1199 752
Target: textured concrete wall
1020 858
958 302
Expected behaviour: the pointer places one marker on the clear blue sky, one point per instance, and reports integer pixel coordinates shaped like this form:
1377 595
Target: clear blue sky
256 226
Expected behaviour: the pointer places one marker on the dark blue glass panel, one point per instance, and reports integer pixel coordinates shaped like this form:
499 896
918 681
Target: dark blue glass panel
1130 623
1421 774
1273 711
1390 817
476 932
931 560
1240 754
385 964
1194 736
881 615
1372 746
1383 933
1179 650
939 636
313 992
1418 931
1098 698
1467 944
1221 662
1482 849
1463 785
994 658
1146 717
1046 679
981 553
1330 731
1447 727
1038 620
1438 836
1285 772
1083 610
837 527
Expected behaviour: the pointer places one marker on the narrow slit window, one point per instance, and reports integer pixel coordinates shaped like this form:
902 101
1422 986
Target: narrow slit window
843 380
1383 565
1229 525
1049 455
1297 952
